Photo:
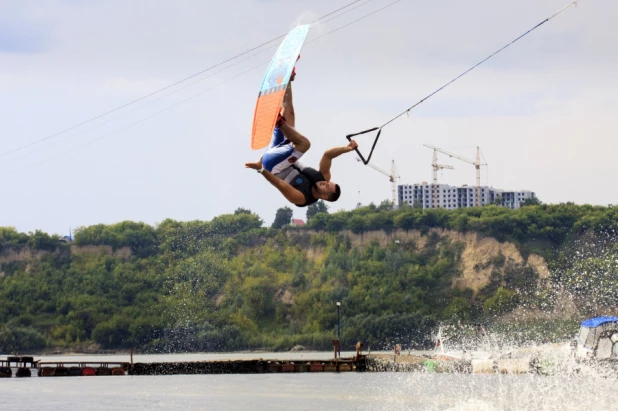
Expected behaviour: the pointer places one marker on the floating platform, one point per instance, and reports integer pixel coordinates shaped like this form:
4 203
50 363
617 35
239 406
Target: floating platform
506 364
79 369
259 366
249 367
22 363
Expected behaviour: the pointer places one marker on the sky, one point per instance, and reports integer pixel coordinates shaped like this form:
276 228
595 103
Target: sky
543 111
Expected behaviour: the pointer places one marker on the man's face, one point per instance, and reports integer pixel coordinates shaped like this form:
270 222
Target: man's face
325 187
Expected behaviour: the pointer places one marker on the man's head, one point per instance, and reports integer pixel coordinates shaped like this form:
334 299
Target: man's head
327 190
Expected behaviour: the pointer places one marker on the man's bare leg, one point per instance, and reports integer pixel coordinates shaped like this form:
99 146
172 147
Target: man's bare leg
287 107
300 142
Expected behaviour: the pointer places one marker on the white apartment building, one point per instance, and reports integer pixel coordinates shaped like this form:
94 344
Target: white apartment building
513 199
451 197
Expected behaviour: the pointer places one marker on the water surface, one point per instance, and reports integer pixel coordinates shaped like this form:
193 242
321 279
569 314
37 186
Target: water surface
306 391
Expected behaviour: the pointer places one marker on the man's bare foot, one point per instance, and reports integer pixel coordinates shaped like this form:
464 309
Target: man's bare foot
256 166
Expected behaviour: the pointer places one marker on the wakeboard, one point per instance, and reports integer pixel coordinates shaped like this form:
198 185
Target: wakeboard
274 85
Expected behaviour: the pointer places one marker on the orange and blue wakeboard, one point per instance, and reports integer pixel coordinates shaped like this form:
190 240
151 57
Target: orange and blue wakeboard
273 86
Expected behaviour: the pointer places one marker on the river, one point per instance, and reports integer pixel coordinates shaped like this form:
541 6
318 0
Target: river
306 391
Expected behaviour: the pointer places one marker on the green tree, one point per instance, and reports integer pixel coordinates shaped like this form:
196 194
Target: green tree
406 221
386 205
231 283
381 221
16 339
111 333
357 224
283 217
241 210
319 221
531 202
458 310
461 223
42 241
501 302
316 208
10 237
232 224
336 222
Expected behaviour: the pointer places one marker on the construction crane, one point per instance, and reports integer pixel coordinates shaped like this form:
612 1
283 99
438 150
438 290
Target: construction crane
393 177
436 167
476 164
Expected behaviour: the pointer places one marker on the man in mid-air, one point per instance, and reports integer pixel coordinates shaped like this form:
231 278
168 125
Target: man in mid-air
300 185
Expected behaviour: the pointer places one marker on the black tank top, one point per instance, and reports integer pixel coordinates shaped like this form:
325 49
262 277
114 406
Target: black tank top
304 182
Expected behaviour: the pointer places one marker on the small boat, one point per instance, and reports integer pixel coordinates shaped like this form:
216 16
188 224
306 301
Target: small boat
597 339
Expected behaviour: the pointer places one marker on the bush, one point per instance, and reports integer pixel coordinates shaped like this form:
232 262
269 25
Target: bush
21 339
501 302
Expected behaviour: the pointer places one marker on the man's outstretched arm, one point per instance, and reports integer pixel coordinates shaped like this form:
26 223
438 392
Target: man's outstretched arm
329 155
290 193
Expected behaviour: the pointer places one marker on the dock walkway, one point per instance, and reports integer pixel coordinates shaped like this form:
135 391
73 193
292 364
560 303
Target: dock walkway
254 366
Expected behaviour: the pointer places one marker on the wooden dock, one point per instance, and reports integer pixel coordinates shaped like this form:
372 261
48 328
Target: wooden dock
248 367
23 364
79 369
255 366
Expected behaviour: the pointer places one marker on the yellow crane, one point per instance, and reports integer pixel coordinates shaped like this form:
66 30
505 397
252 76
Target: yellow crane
476 163
436 167
393 176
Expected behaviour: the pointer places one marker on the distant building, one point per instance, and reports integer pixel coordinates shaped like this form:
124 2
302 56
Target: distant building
513 199
426 195
65 239
297 222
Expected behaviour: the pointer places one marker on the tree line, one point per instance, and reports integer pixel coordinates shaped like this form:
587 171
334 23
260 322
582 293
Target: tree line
231 283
